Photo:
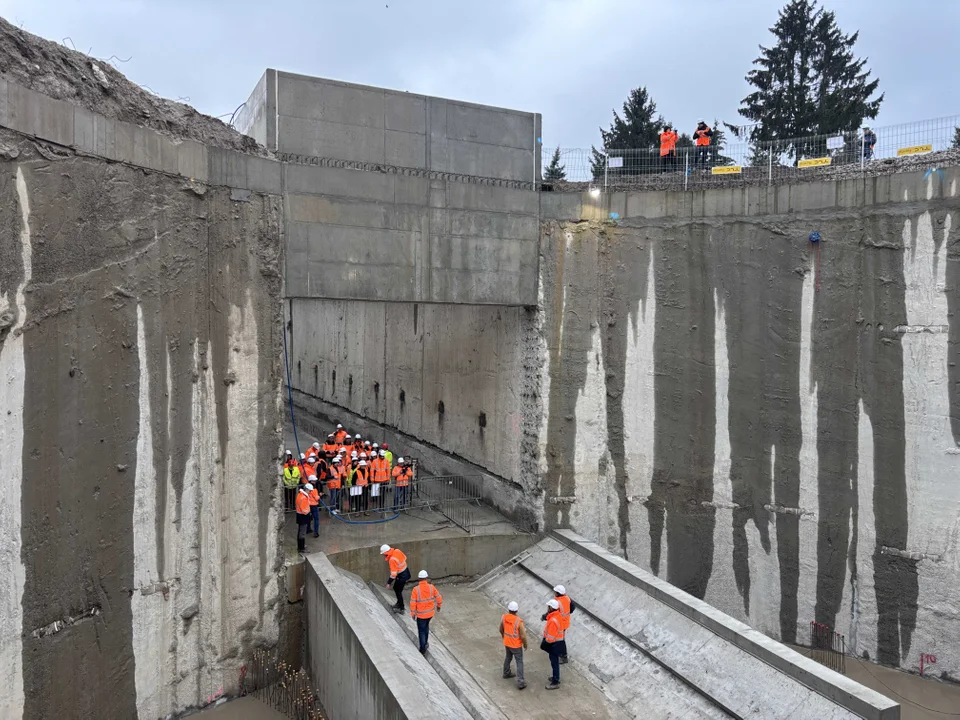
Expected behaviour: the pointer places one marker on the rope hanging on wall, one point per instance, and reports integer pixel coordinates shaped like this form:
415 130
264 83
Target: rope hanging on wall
815 245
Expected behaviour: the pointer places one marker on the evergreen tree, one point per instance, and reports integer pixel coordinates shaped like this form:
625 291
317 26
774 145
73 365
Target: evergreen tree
956 138
638 132
555 172
809 82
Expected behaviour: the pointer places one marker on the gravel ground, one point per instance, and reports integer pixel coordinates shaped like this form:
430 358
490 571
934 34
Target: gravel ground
59 72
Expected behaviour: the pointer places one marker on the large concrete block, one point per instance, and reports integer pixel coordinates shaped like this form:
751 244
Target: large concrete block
192 161
263 175
153 150
472 158
227 168
493 225
479 253
330 139
339 211
560 206
406 113
309 98
491 126
474 286
84 137
339 243
410 190
339 182
38 115
471 196
405 149
367 282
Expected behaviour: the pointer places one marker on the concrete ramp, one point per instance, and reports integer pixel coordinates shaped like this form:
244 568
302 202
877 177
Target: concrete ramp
658 652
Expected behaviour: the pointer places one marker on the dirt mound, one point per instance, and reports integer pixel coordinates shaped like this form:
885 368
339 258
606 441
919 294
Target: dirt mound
59 72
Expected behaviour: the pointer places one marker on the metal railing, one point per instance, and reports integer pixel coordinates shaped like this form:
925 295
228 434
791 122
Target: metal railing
842 154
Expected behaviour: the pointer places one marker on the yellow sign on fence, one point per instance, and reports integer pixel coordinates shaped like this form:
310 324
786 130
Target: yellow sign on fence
814 162
915 150
727 170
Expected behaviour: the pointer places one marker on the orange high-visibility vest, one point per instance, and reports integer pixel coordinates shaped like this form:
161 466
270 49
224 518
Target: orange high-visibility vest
397 560
511 631
553 630
668 141
313 497
564 611
329 447
303 504
333 481
381 473
361 476
308 470
424 600
403 476
702 138
340 435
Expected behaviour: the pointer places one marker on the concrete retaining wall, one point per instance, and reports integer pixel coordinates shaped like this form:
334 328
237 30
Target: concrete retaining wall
360 661
139 515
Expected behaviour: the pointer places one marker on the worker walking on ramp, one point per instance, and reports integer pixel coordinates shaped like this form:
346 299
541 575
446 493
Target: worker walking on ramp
399 574
425 599
514 636
553 643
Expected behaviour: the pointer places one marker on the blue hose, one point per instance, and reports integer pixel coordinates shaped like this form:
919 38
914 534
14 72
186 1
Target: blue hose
296 440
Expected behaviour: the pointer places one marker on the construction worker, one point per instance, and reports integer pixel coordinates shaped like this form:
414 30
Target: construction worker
514 636
361 480
425 599
309 467
303 517
402 475
358 443
346 445
379 477
399 574
291 479
340 434
388 455
333 485
313 499
701 138
668 149
869 141
553 643
567 606
330 444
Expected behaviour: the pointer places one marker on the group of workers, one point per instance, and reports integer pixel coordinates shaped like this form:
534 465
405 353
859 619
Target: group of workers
426 601
344 462
703 135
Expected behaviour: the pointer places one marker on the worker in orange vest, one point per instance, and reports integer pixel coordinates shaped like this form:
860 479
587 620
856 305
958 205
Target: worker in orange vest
399 574
567 606
553 643
701 138
361 479
668 149
309 467
334 482
313 498
425 599
514 636
379 479
303 517
340 434
402 476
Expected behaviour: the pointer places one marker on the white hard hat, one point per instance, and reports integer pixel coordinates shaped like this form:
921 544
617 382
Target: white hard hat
376 445
312 478
308 487
367 443
560 589
336 459
355 437
330 435
553 604
339 426
422 575
302 456
289 452
312 457
316 445
353 454
349 437
384 548
363 455
363 463
512 607
400 460
383 453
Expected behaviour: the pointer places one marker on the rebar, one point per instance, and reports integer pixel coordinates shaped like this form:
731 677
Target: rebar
281 687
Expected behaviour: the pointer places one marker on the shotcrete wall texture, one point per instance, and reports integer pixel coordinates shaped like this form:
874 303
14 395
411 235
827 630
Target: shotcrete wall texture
767 423
139 513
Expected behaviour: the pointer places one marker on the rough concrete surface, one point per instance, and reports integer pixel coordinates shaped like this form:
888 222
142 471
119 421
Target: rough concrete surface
59 72
141 377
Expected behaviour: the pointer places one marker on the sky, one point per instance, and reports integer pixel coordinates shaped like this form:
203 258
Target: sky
573 61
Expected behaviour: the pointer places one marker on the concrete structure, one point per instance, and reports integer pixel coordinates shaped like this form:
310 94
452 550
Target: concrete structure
768 424
139 357
446 212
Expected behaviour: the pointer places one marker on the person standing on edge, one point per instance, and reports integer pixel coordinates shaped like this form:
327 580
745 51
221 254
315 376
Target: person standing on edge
514 636
869 140
333 486
313 498
303 517
340 434
399 574
424 600
701 137
553 643
567 606
668 149
402 474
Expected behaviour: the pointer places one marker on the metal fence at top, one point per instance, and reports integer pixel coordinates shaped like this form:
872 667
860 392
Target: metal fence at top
842 154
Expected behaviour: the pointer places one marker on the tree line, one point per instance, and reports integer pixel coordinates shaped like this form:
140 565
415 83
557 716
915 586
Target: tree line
808 85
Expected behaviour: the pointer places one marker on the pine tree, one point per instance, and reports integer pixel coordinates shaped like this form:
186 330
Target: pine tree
956 138
637 132
555 172
809 82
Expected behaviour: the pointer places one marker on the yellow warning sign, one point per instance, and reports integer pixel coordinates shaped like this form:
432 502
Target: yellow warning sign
814 162
727 170
915 150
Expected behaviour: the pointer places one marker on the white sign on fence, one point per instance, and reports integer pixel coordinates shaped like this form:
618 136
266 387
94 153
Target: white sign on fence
835 143
614 162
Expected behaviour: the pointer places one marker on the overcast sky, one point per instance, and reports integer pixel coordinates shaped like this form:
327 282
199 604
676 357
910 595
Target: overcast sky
571 60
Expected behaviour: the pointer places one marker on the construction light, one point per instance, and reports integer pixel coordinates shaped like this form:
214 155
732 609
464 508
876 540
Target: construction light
595 192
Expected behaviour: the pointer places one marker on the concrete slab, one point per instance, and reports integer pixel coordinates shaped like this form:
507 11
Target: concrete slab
467 626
